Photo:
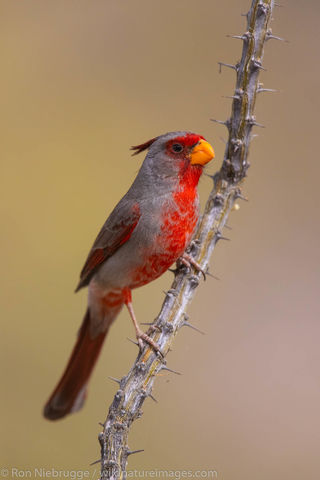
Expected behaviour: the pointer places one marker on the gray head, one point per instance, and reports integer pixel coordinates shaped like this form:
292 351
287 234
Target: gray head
170 156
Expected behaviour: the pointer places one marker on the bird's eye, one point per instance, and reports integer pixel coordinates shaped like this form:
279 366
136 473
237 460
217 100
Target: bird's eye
177 147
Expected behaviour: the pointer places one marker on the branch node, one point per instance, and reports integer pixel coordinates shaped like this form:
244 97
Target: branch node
263 9
168 327
218 199
236 143
141 367
194 281
119 395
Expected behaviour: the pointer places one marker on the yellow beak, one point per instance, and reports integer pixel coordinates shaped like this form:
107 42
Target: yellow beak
202 153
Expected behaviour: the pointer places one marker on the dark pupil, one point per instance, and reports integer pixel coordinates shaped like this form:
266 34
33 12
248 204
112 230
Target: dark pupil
176 147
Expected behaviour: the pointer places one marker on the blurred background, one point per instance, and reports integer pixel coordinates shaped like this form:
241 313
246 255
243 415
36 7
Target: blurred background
83 81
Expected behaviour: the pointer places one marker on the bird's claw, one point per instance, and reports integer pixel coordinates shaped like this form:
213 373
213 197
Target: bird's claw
187 260
143 337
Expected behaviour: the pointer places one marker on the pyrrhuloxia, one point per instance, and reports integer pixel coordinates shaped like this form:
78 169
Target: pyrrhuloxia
147 231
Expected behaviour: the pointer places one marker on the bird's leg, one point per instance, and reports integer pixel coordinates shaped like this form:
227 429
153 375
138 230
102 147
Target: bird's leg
141 336
187 260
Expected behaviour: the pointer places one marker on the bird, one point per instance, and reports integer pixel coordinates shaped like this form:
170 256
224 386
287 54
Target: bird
148 230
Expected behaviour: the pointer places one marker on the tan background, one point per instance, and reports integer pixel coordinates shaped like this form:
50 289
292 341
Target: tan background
81 82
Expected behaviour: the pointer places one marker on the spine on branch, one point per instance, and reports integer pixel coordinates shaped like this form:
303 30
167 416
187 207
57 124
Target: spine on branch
137 385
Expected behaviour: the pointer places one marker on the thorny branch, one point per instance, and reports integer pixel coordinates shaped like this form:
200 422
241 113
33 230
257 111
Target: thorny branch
137 385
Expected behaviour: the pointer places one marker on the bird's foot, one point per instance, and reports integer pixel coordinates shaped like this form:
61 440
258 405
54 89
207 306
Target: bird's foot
187 260
143 337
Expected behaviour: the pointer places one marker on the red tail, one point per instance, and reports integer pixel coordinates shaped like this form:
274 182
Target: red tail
70 393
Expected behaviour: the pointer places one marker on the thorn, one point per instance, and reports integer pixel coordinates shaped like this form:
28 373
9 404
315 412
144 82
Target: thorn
216 178
152 398
260 89
101 424
238 37
274 37
213 276
170 292
146 323
227 226
132 452
229 65
188 324
252 121
225 123
278 5
242 197
244 36
221 237
208 175
101 438
132 341
257 64
164 367
269 36
115 380
94 463
174 270
233 97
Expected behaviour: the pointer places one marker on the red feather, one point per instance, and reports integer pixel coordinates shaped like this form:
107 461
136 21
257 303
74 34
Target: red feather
188 140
